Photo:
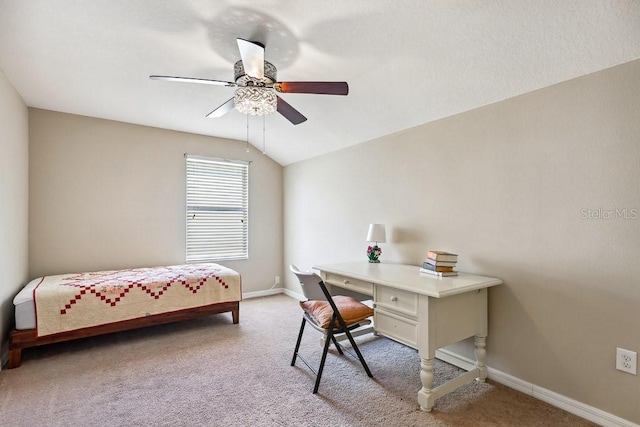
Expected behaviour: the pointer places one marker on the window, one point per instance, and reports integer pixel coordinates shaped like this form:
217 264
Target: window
217 209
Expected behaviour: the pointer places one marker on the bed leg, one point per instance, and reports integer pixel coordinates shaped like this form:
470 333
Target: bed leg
15 355
236 315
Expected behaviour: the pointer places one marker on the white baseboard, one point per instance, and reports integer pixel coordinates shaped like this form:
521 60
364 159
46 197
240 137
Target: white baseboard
455 359
580 409
259 294
294 295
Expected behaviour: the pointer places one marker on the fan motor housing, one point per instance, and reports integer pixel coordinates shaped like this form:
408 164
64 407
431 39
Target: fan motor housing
241 78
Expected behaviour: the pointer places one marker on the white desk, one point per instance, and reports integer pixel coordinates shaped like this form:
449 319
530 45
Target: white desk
423 312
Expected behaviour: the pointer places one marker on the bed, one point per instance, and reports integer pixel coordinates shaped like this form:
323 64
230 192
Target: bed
64 307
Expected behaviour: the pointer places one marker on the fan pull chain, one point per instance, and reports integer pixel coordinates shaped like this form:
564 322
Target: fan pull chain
264 145
247 133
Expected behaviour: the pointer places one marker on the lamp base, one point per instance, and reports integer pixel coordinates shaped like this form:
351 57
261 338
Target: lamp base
373 252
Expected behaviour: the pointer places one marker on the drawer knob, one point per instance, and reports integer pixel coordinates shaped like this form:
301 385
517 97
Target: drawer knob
394 299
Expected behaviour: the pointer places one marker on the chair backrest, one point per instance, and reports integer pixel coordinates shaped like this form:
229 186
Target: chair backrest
309 284
310 280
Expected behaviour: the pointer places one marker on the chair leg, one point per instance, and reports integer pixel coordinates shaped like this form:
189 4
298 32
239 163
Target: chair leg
335 342
355 347
324 357
295 352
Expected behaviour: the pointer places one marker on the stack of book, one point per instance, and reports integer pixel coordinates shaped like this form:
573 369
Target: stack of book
439 264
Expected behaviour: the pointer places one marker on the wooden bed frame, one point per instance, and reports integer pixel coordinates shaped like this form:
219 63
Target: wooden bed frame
29 338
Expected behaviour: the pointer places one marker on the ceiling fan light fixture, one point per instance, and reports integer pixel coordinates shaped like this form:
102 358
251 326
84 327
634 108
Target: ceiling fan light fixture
255 100
257 86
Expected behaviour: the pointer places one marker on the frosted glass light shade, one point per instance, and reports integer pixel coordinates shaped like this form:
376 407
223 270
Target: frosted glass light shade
376 233
257 101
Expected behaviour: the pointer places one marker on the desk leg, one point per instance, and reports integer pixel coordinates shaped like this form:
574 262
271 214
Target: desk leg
425 397
480 350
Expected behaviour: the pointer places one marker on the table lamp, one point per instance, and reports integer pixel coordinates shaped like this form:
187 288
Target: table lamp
376 235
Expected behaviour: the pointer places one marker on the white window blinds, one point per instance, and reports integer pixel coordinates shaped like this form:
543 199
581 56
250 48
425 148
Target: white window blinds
217 209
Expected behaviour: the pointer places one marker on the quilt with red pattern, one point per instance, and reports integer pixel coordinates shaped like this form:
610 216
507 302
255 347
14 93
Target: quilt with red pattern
73 301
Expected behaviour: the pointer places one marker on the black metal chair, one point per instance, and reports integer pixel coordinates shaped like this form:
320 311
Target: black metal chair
337 315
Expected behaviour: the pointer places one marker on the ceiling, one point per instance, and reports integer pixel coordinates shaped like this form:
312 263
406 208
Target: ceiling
407 62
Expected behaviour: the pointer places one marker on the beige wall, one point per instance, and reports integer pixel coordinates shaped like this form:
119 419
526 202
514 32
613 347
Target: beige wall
14 201
107 195
507 187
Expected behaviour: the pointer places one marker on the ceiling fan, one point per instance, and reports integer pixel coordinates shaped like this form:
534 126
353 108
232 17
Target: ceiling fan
257 86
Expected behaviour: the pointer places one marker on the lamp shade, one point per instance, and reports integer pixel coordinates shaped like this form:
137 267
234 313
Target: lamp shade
376 233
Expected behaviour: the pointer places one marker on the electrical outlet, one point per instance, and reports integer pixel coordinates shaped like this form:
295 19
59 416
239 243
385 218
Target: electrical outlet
277 280
626 360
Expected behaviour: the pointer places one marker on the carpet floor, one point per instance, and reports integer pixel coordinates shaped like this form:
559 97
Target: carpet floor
209 372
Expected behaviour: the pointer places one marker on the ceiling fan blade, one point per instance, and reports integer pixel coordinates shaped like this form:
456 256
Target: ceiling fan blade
193 80
252 55
321 88
222 110
289 112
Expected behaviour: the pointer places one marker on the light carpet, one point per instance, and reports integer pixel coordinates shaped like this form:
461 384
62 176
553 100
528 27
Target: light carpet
209 372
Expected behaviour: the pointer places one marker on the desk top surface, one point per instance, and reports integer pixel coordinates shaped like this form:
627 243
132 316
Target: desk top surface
408 277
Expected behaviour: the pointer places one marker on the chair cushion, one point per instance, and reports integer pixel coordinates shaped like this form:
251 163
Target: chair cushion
351 309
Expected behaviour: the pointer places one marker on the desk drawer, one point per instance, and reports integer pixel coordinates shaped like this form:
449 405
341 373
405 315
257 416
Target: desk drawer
396 327
349 283
397 300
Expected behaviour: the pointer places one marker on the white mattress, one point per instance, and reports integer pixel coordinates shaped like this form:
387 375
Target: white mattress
25 311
